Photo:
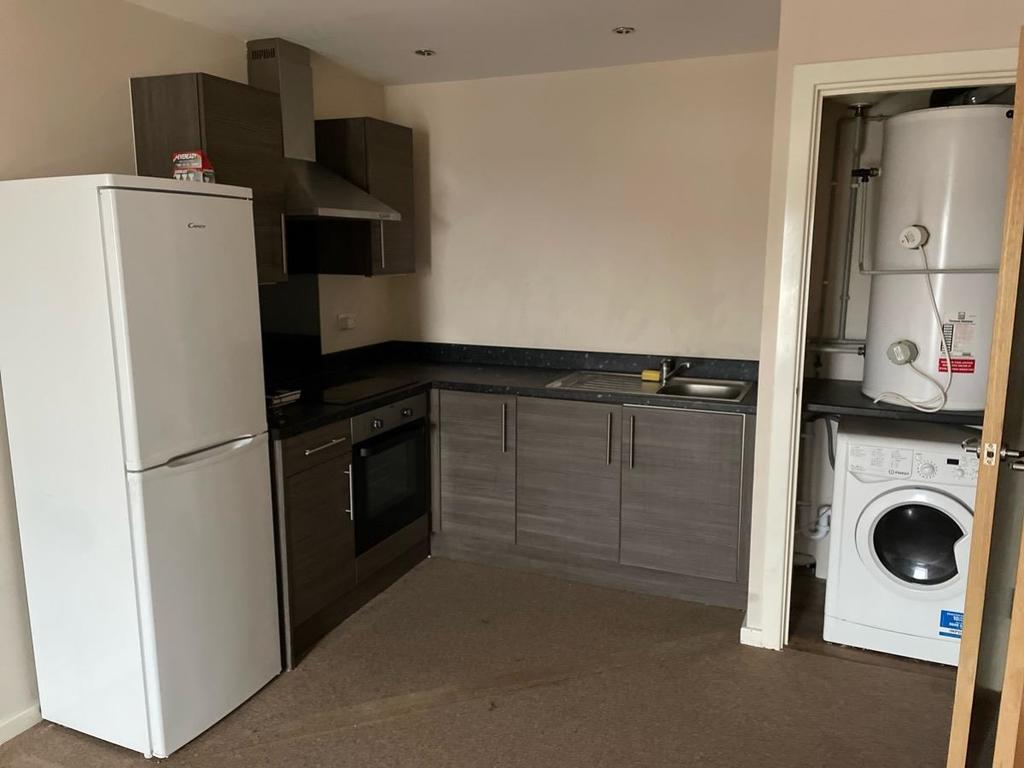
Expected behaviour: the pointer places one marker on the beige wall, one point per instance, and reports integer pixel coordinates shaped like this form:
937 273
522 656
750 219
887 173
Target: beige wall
814 31
617 209
64 69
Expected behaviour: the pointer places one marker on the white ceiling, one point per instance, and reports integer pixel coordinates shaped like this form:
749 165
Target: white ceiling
487 38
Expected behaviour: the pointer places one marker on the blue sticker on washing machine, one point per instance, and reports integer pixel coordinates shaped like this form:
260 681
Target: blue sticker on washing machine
951 624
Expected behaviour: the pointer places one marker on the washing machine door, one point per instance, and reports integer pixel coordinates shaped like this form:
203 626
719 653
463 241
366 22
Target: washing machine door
916 540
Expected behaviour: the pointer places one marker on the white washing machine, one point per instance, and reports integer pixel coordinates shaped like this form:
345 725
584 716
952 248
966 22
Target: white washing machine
901 535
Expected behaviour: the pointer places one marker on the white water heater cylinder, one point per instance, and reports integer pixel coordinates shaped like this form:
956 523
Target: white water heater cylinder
944 171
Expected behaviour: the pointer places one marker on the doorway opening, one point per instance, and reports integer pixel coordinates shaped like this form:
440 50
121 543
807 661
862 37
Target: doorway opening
905 247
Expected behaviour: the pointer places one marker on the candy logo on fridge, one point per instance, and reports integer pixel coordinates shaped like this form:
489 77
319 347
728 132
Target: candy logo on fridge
196 225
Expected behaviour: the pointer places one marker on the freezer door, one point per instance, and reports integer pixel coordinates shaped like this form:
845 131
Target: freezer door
204 548
181 272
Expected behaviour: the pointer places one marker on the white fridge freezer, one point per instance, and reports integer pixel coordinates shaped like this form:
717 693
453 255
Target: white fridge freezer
132 382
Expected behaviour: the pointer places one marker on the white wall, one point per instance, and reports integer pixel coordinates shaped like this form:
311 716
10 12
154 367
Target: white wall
618 209
834 30
64 70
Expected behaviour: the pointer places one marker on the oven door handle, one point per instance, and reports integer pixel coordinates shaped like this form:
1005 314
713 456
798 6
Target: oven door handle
391 439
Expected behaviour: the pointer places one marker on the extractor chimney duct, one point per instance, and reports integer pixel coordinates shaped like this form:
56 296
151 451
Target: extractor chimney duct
312 191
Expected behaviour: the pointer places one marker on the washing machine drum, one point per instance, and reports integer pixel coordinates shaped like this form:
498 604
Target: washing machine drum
915 538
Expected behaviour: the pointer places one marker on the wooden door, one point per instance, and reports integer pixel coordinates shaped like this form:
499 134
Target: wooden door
997 505
568 477
682 492
478 465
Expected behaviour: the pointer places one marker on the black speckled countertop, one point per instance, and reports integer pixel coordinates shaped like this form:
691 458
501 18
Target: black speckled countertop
380 374
396 380
844 398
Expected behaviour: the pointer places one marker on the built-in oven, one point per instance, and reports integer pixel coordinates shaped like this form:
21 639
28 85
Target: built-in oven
390 475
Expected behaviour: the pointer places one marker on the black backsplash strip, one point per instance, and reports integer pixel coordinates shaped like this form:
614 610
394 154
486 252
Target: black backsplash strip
290 360
472 354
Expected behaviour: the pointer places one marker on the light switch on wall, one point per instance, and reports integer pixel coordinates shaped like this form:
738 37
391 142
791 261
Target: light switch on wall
346 322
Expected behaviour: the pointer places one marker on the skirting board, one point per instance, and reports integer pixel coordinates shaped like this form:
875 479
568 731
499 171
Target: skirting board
751 636
19 722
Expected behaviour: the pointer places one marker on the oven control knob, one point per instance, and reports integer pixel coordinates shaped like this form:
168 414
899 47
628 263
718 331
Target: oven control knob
406 413
377 424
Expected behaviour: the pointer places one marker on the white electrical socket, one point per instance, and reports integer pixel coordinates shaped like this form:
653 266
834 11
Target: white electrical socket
346 322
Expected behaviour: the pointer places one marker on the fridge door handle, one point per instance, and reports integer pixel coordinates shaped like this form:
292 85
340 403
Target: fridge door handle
208 453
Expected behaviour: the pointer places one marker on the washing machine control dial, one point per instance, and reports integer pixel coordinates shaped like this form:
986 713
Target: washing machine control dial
926 470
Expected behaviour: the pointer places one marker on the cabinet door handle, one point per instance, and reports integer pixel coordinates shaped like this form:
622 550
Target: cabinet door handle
608 442
504 427
325 446
632 441
383 263
284 248
351 495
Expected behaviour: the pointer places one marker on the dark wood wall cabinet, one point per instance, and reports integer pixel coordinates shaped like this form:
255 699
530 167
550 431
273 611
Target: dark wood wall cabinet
239 128
651 499
376 156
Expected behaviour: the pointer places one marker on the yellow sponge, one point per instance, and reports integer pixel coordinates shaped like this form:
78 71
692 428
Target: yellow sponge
650 375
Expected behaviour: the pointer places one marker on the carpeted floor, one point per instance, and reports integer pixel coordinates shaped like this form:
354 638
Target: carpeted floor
466 666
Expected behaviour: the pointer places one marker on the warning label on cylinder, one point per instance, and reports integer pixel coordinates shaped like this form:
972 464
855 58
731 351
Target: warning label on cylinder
958 335
960 365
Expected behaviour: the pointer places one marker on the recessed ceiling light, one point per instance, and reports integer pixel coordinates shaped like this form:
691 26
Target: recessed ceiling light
425 52
624 30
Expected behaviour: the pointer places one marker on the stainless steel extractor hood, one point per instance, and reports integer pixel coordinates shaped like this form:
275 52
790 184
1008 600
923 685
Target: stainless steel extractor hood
312 190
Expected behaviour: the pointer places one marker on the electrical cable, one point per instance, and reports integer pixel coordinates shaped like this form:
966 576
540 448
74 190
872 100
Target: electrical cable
830 419
821 525
938 401
831 439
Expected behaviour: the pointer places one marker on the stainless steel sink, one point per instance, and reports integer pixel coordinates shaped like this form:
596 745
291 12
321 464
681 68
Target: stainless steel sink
632 384
706 389
613 383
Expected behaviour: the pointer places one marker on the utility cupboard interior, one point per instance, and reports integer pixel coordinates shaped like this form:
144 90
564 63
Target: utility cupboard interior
850 174
904 258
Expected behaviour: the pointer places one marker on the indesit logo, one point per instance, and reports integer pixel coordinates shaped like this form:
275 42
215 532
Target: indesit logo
194 225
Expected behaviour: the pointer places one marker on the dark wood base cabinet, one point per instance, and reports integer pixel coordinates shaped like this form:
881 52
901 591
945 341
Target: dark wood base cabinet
588 570
477 464
683 509
649 499
567 477
321 581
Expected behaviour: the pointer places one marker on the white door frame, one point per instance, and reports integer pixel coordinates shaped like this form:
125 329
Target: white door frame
779 404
